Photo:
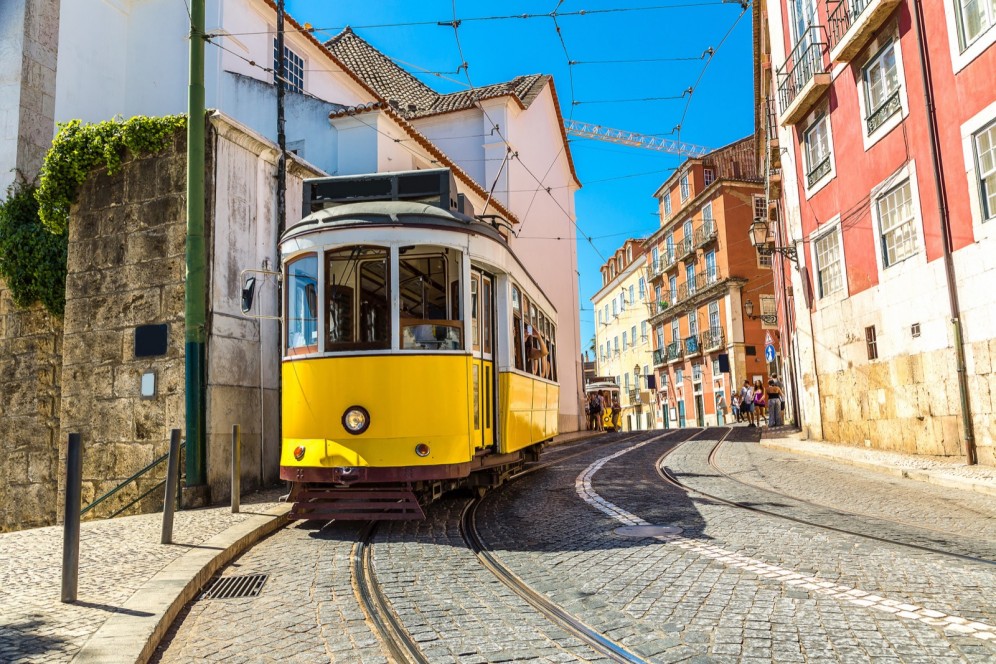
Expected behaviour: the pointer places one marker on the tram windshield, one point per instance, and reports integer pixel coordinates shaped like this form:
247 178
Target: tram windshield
356 295
429 285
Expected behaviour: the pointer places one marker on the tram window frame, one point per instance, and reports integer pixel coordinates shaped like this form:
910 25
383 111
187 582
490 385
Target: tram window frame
423 325
487 295
310 299
358 302
517 353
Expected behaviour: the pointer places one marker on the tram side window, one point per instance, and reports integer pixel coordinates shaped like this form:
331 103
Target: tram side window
302 306
427 323
517 329
357 299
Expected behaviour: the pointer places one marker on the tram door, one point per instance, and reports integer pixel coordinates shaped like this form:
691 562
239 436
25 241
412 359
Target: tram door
482 362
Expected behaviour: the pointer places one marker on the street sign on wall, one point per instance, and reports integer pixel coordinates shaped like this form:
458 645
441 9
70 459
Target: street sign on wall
769 353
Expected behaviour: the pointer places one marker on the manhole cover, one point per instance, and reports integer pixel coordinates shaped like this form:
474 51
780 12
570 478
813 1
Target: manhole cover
647 531
232 587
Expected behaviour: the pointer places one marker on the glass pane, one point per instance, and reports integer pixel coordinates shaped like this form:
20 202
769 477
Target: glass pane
357 299
302 305
427 323
486 314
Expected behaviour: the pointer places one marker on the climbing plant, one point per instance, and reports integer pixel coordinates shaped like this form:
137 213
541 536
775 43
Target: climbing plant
32 259
79 148
34 221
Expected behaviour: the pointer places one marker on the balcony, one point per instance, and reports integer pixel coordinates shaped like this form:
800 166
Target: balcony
693 346
774 183
703 282
705 233
674 352
660 357
661 306
774 150
819 171
713 339
804 77
684 249
851 24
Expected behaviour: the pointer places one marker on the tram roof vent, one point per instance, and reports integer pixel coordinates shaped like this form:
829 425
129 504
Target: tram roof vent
436 187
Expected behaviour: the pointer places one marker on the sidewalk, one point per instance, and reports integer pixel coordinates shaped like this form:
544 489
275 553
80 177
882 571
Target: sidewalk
941 471
131 587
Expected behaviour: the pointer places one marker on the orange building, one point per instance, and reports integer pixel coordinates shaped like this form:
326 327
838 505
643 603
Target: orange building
712 304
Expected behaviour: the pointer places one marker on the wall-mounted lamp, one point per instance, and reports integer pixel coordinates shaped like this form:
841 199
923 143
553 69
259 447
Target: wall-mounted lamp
759 240
767 319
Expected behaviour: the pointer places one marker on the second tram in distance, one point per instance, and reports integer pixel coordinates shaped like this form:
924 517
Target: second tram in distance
419 355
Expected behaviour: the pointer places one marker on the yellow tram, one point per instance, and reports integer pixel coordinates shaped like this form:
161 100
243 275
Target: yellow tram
418 353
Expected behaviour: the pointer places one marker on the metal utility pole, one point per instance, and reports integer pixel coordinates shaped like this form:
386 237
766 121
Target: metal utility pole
281 136
195 298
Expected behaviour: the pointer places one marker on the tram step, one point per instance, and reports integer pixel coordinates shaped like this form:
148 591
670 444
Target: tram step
357 504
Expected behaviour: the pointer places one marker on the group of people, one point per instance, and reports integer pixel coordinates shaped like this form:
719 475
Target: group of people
596 407
754 403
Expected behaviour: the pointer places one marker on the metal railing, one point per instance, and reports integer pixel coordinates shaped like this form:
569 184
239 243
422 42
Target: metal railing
674 351
661 306
702 281
684 248
819 172
714 337
134 478
801 65
886 110
841 16
660 356
705 233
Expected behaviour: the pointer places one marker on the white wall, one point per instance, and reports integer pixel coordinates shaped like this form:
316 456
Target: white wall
11 45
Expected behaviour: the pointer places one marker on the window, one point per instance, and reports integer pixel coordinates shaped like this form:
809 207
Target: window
632 335
710 261
675 332
599 316
643 330
707 212
357 299
708 176
632 293
302 305
626 381
624 345
672 283
697 372
828 272
975 17
764 259
606 309
601 351
643 289
669 243
684 186
714 317
895 213
615 307
293 68
985 157
881 83
693 324
817 139
760 207
690 278
622 301
659 294
871 342
679 376
616 345
655 257
667 204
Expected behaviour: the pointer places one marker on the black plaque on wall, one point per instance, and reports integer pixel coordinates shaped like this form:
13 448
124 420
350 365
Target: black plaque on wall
150 340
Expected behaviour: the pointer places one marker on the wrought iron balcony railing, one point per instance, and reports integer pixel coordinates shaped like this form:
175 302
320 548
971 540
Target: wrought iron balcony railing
886 110
684 248
660 356
674 351
705 233
819 171
802 64
693 345
660 306
713 338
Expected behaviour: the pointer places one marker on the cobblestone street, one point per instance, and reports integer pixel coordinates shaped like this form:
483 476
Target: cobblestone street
732 585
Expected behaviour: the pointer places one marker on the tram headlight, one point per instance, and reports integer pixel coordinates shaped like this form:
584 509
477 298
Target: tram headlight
356 419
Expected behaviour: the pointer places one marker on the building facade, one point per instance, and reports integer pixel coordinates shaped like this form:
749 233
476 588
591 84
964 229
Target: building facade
881 137
622 334
711 300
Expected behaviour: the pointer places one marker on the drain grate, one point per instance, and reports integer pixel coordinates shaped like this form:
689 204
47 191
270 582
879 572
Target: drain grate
232 587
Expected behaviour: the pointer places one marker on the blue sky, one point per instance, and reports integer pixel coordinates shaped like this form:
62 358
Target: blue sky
616 199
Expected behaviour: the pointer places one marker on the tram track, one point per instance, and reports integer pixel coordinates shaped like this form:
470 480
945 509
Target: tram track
385 623
670 478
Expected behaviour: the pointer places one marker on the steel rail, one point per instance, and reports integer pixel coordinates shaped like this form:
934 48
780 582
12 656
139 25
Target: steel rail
392 633
668 477
569 623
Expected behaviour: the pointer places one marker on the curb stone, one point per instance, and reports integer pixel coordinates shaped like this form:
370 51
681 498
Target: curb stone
133 633
919 475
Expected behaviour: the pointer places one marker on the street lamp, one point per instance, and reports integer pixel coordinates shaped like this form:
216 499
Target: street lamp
767 319
758 235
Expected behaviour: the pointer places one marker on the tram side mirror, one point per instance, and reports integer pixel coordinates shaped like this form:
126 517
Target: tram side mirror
248 292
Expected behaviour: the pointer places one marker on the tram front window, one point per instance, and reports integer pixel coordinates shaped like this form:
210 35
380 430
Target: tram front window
302 306
357 300
427 323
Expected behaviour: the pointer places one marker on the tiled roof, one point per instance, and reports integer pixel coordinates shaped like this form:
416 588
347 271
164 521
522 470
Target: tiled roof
411 98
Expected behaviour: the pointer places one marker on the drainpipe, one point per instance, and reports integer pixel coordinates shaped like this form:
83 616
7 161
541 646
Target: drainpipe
281 135
945 223
194 298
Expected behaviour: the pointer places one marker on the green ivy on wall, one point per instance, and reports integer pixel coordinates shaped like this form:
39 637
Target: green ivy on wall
32 259
34 221
79 148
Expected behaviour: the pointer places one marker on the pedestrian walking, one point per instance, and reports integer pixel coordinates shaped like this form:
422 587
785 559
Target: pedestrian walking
747 402
774 402
735 406
760 403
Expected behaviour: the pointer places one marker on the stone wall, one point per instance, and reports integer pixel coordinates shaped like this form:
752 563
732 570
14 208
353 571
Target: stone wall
125 268
30 368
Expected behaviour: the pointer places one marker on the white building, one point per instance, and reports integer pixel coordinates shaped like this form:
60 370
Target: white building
130 57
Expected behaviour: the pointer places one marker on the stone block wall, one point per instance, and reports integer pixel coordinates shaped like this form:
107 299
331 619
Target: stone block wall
30 369
126 268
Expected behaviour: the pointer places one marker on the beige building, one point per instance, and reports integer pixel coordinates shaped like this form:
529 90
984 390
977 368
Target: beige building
622 333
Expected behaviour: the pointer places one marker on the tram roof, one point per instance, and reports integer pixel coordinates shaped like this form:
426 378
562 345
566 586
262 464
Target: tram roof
391 213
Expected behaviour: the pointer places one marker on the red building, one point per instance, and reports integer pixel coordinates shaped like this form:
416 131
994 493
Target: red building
879 124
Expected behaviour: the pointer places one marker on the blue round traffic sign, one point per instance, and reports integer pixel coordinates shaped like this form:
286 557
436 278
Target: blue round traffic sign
769 353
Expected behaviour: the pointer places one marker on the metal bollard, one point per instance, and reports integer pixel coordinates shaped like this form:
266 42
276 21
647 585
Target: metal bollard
172 482
71 528
236 467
